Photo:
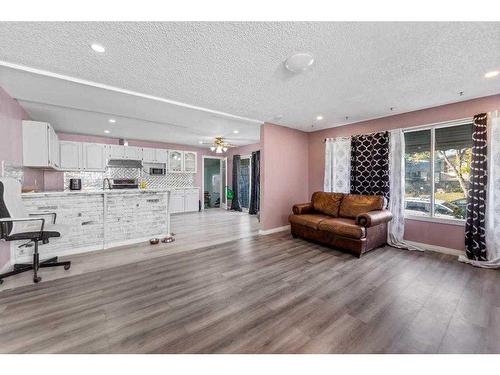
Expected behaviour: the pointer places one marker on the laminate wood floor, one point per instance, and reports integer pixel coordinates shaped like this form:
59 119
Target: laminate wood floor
192 231
261 294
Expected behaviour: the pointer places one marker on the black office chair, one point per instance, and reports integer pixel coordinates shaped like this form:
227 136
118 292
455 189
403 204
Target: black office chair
16 225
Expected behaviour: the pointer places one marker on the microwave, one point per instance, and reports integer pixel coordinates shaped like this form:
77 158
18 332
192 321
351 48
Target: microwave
156 171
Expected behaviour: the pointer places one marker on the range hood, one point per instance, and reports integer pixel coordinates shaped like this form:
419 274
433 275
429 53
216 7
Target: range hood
124 163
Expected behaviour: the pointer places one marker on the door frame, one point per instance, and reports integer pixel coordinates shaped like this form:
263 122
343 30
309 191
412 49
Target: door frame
223 183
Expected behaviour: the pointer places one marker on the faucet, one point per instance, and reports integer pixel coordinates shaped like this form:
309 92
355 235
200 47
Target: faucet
104 183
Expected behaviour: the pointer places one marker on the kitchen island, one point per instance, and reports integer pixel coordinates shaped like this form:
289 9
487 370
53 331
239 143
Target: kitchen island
98 219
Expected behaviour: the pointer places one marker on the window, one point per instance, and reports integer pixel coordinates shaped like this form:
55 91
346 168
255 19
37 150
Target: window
437 167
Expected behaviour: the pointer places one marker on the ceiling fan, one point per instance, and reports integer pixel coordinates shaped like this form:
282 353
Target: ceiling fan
219 145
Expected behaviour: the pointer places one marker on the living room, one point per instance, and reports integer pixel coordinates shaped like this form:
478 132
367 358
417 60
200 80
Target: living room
250 187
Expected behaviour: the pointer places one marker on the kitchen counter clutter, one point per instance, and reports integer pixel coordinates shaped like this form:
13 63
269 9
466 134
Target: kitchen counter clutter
98 219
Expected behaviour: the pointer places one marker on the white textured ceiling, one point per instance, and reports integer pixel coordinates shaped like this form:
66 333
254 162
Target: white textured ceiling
361 70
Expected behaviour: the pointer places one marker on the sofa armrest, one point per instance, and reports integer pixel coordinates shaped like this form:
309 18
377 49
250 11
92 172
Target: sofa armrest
373 218
303 208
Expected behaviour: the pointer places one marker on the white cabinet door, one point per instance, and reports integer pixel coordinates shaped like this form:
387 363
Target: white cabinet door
175 161
116 152
40 145
161 155
191 199
177 201
71 155
190 161
133 153
149 155
55 160
94 156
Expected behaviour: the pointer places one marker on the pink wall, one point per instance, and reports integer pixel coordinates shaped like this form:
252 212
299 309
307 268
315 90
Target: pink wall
11 116
284 171
446 235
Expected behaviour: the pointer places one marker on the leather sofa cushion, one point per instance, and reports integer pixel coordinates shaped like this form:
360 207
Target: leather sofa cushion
353 204
309 220
343 227
327 203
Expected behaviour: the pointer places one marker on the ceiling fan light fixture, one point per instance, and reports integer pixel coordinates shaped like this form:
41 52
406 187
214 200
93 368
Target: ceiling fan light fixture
212 148
299 62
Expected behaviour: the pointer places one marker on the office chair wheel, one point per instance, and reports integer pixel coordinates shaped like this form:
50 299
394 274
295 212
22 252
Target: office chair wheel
37 279
67 266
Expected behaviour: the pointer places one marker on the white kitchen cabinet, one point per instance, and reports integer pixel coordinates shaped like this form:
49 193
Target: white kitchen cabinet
94 156
175 161
125 152
116 152
191 200
189 158
177 201
148 155
40 145
71 155
161 155
133 153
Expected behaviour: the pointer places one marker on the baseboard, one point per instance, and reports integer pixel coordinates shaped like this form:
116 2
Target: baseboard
437 249
274 230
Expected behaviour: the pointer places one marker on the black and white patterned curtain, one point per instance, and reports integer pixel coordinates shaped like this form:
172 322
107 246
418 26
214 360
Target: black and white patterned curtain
370 164
475 234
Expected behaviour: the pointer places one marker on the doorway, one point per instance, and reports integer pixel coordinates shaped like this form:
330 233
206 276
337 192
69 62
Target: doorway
214 182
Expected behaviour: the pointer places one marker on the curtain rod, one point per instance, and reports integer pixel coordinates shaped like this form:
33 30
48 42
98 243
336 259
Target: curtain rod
416 126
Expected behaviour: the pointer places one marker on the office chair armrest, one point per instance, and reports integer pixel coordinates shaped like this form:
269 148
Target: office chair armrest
53 214
16 219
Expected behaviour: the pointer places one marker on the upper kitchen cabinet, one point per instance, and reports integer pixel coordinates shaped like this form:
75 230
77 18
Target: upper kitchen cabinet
175 161
40 145
71 155
94 156
190 161
154 155
125 152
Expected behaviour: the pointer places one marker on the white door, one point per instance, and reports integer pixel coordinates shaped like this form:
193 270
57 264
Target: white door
71 155
94 157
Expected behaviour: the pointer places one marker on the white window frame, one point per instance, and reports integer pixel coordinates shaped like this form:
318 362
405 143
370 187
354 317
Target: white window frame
432 128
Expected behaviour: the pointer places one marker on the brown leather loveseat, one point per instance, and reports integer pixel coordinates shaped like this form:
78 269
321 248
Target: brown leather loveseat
355 223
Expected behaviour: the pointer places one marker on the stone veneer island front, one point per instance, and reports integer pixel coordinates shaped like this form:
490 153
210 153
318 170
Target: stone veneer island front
96 220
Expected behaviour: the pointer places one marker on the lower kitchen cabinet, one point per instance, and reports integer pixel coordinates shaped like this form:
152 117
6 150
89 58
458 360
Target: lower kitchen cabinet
184 200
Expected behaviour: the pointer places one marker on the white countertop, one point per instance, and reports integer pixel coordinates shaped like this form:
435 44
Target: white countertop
93 192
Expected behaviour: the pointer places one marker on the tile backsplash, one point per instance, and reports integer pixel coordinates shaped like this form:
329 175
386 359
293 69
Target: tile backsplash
93 180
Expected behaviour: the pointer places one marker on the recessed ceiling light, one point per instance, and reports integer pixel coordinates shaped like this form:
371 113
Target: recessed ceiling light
299 62
97 47
107 131
200 142
319 118
236 131
112 120
492 74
